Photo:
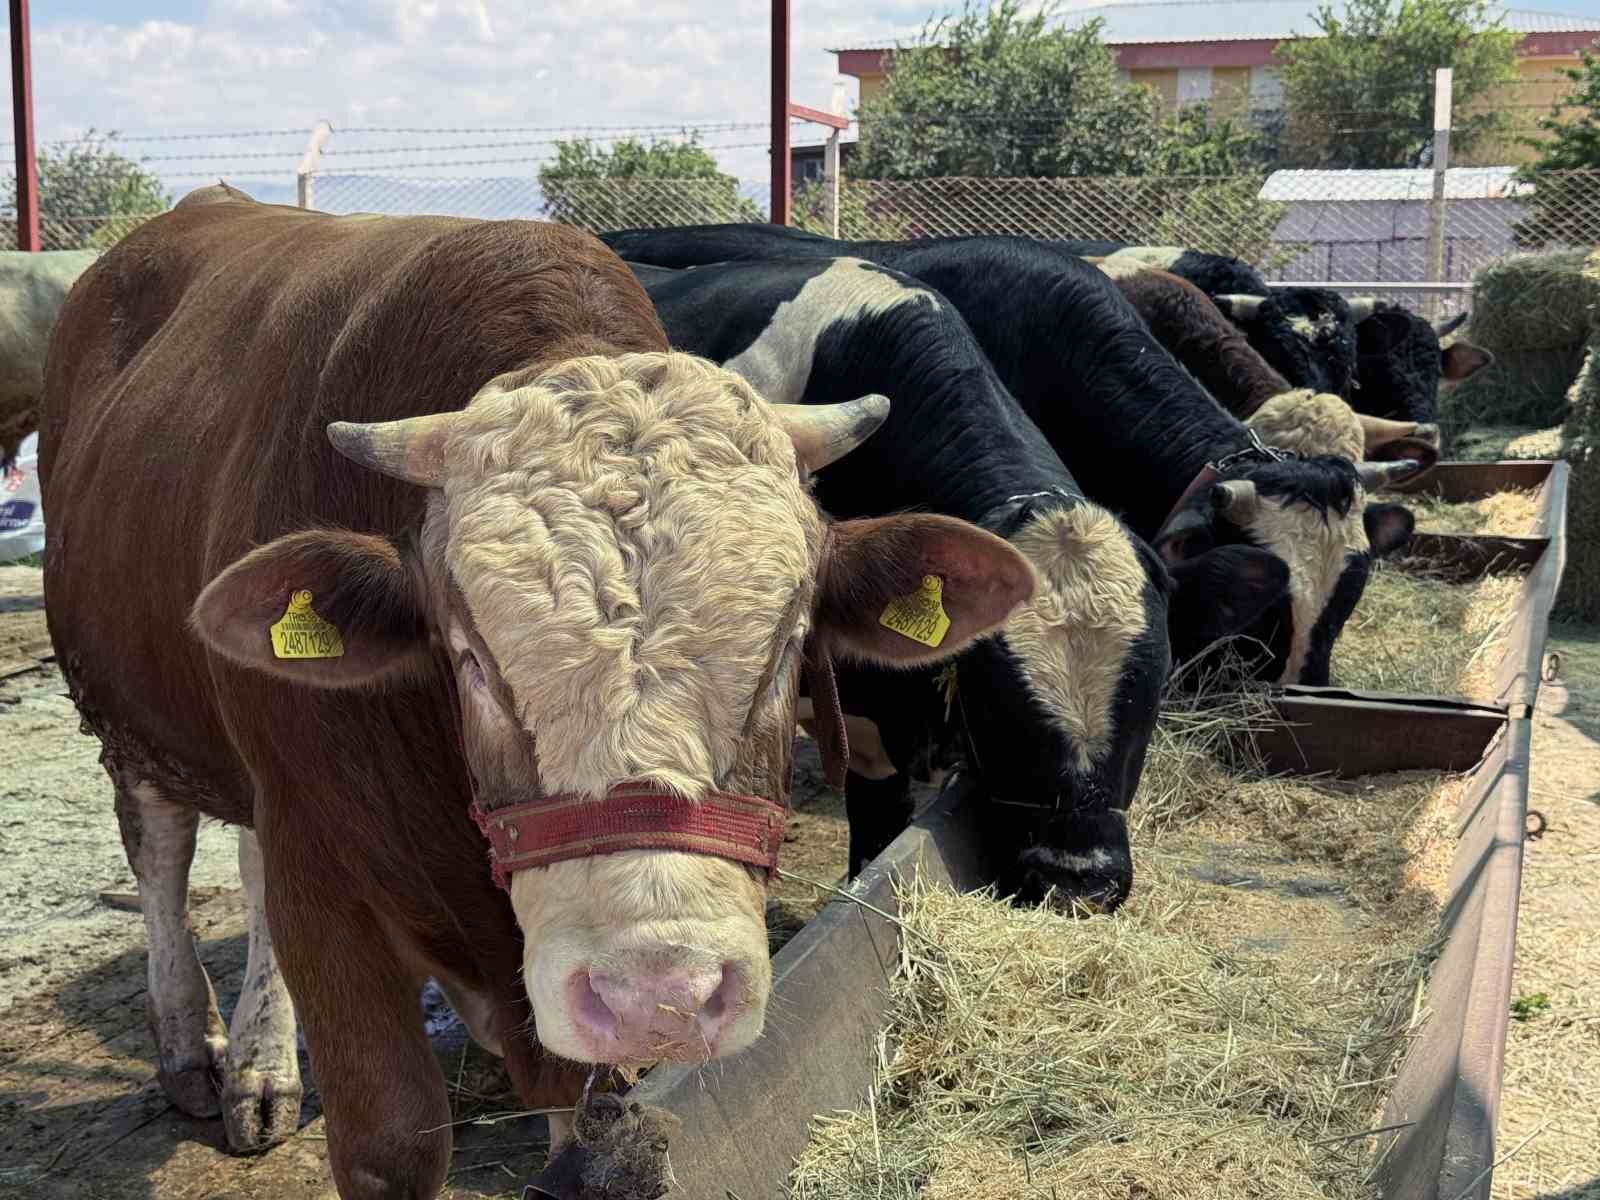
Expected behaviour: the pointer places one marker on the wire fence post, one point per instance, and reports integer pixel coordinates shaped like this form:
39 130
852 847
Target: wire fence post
830 178
306 171
1437 210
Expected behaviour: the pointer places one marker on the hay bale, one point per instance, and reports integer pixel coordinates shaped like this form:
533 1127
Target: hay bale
1580 586
1536 301
1521 387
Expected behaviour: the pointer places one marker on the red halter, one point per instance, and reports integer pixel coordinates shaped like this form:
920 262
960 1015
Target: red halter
638 815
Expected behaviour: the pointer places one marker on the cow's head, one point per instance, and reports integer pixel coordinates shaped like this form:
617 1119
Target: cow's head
1058 711
1400 364
619 563
1279 549
1305 334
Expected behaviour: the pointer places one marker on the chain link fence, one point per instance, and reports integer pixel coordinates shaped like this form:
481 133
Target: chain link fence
1341 227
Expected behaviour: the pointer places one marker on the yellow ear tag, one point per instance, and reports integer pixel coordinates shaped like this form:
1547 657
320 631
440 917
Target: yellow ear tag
919 616
300 633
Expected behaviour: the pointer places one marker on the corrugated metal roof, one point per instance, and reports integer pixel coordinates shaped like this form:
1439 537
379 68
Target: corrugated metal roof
1145 22
1460 183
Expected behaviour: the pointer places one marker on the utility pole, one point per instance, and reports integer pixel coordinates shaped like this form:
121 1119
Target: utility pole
1441 164
780 112
22 120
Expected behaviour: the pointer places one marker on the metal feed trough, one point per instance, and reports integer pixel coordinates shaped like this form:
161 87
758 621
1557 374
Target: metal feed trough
744 1121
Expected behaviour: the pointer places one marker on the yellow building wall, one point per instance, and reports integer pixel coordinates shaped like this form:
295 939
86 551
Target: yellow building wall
1230 91
1525 103
1163 83
871 85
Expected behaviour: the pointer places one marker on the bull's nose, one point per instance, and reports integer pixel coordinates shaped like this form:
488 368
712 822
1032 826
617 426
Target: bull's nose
646 1010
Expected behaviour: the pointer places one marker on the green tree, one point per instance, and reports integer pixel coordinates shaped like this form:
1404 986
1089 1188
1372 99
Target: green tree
630 184
90 195
1193 141
993 91
1562 206
1361 95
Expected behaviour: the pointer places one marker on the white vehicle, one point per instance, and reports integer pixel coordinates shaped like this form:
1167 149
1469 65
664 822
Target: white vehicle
21 515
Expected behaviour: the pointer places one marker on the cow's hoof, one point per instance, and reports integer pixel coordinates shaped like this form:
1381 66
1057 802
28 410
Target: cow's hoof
193 1082
259 1111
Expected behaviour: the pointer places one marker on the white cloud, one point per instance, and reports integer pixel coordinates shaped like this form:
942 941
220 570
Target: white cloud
283 64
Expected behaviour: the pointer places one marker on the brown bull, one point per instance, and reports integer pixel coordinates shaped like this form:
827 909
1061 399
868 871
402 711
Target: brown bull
366 532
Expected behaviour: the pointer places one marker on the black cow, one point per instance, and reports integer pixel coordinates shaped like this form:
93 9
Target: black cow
1056 712
1401 364
1136 430
1390 366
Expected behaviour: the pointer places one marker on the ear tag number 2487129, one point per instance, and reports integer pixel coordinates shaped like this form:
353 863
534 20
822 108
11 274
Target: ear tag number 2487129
301 633
919 616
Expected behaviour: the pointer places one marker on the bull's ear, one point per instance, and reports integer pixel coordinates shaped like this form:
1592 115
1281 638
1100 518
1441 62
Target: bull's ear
320 607
916 588
1389 527
1463 360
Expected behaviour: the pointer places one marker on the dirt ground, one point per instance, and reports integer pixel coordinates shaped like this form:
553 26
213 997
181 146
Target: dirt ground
1552 1082
81 1114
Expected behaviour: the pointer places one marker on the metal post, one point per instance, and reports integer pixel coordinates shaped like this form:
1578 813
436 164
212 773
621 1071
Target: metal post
780 112
306 171
1441 164
830 178
22 120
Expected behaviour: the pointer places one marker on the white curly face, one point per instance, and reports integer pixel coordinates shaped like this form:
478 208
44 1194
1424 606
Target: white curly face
1317 548
1074 638
636 550
627 536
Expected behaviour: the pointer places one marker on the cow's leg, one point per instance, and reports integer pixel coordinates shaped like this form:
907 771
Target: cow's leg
383 1093
159 835
261 1079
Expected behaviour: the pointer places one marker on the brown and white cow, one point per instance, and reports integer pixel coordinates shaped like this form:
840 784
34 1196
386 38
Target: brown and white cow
542 565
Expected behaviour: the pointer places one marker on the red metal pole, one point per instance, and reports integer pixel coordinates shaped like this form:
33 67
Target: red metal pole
780 112
22 118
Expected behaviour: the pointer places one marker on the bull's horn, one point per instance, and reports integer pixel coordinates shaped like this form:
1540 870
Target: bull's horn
1445 328
824 433
1236 500
1428 432
1379 431
411 449
1376 475
1240 308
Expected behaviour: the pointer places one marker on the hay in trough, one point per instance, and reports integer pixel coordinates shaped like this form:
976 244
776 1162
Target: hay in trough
1230 1032
1415 632
1508 514
1536 301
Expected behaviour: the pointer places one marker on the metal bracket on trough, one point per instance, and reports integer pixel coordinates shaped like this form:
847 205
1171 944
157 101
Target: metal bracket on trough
1340 732
744 1120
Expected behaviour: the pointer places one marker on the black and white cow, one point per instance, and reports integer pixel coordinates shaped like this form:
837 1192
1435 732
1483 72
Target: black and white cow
1055 713
1136 430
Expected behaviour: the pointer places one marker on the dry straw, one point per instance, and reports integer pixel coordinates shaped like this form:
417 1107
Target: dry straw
1417 632
1230 1032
